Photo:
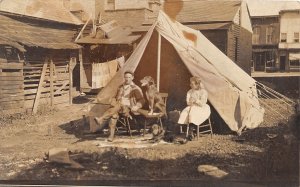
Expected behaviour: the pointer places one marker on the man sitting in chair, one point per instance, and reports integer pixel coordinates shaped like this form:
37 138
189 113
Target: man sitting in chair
129 98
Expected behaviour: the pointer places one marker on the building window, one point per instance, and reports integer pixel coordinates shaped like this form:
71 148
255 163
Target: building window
283 37
295 63
296 37
256 34
269 34
11 54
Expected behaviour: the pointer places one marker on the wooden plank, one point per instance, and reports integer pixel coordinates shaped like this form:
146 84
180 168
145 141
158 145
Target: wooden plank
35 65
34 91
3 95
31 80
82 72
11 66
31 85
29 68
10 82
72 65
47 95
11 87
44 84
51 83
32 97
11 74
14 91
10 98
58 89
37 99
11 78
31 76
32 72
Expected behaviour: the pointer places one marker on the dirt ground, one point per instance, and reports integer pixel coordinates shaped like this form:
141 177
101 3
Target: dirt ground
253 158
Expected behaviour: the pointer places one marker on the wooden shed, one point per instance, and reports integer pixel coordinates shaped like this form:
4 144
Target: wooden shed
105 45
37 58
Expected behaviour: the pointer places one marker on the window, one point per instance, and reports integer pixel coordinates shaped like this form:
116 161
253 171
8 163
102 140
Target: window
295 63
11 54
269 34
296 37
283 37
256 34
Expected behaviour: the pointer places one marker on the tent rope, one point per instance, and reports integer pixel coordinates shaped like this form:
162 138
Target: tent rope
276 103
275 94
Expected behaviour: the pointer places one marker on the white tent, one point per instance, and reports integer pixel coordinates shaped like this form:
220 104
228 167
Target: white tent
170 47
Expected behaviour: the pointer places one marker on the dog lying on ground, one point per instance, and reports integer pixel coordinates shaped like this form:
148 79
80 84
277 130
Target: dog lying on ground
156 103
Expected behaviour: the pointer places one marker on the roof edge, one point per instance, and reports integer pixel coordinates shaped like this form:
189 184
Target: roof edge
37 18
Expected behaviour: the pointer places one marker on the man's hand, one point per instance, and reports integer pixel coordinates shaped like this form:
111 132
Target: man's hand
134 108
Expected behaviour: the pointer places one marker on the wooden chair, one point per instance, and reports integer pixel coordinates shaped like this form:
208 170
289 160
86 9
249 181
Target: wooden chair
159 116
124 120
202 126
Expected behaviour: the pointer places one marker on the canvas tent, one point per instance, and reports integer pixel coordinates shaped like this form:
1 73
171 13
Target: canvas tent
172 53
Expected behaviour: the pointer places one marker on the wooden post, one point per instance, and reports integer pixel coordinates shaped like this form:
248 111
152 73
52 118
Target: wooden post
51 83
71 67
81 68
158 61
40 87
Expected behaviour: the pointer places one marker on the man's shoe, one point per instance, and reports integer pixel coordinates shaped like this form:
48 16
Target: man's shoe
110 139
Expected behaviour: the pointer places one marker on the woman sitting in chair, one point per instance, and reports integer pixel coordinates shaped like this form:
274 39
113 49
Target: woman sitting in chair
197 110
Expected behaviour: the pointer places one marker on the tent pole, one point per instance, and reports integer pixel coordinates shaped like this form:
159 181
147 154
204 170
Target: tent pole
158 61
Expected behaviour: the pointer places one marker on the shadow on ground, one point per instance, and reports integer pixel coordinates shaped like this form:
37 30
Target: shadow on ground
273 166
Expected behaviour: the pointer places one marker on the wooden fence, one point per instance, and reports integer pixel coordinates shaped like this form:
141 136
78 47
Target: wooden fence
37 84
11 87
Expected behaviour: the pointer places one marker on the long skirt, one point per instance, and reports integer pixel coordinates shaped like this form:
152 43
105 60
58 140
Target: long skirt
194 114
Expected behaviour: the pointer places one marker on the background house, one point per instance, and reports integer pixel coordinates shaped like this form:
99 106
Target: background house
53 10
225 23
289 46
266 22
35 56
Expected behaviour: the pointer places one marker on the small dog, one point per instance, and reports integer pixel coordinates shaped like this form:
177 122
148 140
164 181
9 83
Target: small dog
156 103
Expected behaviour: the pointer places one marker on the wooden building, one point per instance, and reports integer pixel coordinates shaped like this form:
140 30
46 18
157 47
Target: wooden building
267 26
37 57
265 43
105 46
225 23
289 45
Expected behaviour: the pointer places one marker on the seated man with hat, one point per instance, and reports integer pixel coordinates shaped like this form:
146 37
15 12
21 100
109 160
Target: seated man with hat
129 98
